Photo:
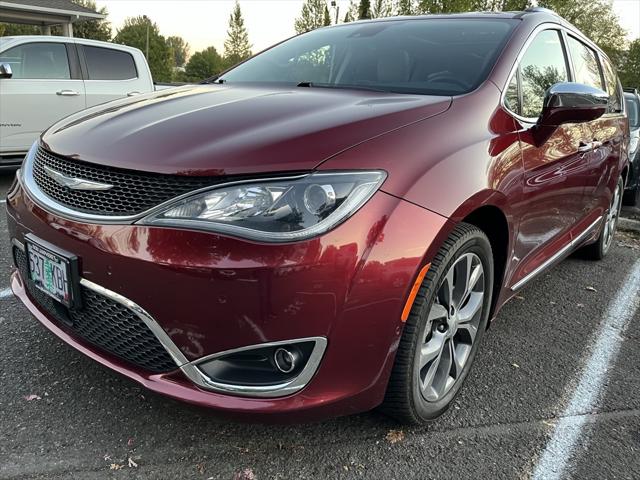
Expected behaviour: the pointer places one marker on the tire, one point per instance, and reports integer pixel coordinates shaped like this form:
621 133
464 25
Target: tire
631 197
432 324
599 249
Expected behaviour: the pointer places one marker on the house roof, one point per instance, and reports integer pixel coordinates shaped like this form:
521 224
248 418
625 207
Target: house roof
50 7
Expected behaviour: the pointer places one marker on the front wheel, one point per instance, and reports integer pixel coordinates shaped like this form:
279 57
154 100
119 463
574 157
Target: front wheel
599 249
443 331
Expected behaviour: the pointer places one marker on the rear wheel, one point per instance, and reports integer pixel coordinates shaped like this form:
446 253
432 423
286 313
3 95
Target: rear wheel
599 249
443 331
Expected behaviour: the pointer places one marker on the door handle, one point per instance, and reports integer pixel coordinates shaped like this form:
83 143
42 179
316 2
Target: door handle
67 93
585 147
132 94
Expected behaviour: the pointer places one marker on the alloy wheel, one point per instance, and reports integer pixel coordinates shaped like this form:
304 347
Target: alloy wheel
611 219
452 327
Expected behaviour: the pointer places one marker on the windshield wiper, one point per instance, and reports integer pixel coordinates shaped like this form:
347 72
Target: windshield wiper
340 87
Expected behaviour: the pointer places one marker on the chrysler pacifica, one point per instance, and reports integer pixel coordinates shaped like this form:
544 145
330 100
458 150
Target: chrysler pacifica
331 225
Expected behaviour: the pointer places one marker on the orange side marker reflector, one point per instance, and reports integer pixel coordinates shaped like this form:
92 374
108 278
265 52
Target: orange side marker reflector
414 292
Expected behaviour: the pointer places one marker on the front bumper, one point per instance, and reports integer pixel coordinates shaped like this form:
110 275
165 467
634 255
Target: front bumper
208 294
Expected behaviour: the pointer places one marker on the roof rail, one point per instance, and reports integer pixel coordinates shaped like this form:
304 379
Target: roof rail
541 10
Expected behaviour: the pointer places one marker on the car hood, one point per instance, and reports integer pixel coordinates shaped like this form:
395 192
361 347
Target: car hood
225 130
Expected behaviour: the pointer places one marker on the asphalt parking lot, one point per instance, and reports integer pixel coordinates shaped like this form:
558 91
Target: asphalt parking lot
564 353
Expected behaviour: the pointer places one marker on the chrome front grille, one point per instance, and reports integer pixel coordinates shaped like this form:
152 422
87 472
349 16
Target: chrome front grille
133 192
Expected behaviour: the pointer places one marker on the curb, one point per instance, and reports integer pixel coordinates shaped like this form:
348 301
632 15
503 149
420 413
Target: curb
629 224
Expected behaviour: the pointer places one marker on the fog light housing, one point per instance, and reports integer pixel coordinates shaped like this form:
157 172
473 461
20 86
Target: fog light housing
263 370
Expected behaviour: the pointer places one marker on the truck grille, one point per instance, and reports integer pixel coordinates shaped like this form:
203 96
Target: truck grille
133 192
104 323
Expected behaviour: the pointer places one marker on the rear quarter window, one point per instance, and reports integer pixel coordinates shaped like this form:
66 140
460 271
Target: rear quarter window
109 64
614 89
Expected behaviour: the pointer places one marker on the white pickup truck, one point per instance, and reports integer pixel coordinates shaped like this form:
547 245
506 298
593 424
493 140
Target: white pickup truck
44 78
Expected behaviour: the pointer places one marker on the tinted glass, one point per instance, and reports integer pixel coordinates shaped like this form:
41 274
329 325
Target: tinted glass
542 66
511 98
613 87
38 61
433 56
108 64
585 64
633 110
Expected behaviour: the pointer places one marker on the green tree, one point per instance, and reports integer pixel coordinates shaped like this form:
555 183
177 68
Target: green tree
381 8
134 34
236 46
364 10
596 19
13 29
312 16
501 5
446 6
326 21
204 64
179 50
352 12
629 70
405 7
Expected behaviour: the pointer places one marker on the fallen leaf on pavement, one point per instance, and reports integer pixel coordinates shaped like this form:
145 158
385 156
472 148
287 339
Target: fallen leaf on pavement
33 396
115 466
395 436
130 442
200 468
519 297
515 365
132 464
107 457
591 289
246 474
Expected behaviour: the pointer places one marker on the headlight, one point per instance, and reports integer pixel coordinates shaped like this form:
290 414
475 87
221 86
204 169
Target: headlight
279 210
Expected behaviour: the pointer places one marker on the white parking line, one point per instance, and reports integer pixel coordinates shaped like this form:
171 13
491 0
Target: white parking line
557 456
6 293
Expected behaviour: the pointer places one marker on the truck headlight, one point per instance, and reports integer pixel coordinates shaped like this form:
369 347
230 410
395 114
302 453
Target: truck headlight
278 210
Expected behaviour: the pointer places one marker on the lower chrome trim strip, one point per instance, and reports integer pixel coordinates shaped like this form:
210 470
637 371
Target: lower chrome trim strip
148 320
559 254
191 369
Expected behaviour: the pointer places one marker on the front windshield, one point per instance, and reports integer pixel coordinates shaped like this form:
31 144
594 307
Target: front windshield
633 109
439 56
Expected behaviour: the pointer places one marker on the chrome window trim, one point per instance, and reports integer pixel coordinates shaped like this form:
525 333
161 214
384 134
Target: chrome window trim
197 376
565 31
556 256
540 28
43 200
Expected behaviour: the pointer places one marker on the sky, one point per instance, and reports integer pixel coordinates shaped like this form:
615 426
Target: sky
203 23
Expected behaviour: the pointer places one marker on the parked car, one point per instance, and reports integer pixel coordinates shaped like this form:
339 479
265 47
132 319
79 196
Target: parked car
330 226
632 192
44 79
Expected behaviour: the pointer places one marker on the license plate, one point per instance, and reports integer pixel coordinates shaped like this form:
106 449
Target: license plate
51 271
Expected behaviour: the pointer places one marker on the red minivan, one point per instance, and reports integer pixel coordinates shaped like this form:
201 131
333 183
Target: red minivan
331 225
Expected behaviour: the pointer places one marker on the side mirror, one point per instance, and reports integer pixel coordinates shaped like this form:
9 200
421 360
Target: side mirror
569 102
5 70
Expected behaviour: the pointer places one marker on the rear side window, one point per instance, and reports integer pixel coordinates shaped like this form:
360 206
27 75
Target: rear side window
543 65
633 110
109 64
614 88
585 64
38 61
